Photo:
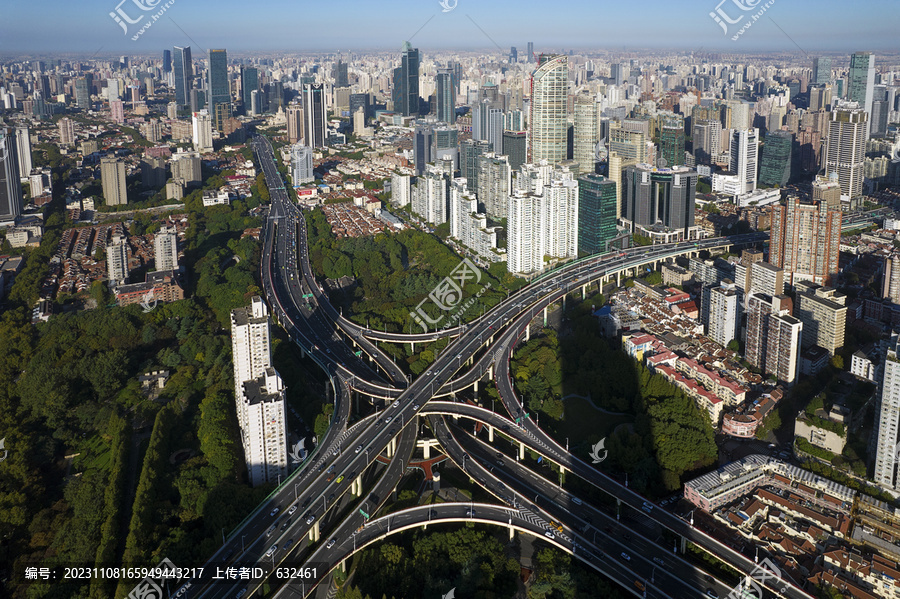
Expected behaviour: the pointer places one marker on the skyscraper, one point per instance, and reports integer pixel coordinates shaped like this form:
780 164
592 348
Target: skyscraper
783 347
821 70
82 93
775 164
183 74
845 147
659 196
301 164
494 184
513 55
314 114
405 93
584 133
202 131
23 146
515 147
823 312
805 240
470 150
596 213
445 96
888 419
112 175
707 144
249 84
862 79
117 262
445 144
430 196
165 247
66 131
341 78
724 313
423 145
744 151
671 146
219 90
530 52
295 122
10 186
167 61
547 122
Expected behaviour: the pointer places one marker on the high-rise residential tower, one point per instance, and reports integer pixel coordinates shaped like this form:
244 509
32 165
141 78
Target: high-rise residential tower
744 152
805 240
165 247
845 147
112 175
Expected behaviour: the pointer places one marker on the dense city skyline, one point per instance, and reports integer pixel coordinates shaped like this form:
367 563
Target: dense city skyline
788 27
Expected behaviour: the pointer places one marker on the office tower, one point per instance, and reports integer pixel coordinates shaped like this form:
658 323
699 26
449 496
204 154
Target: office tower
423 145
183 70
117 111
890 288
596 213
202 131
845 147
165 249
430 196
707 145
783 340
823 312
82 93
821 70
249 84
530 52
301 164
400 189
744 151
445 144
358 101
827 190
862 79
724 313
314 114
888 419
117 262
40 107
167 61
878 119
153 172
341 78
819 97
547 120
671 146
629 144
66 131
186 166
494 184
513 55
295 123
543 226
480 119
805 240
775 164
265 431
112 175
515 146
219 90
112 90
23 149
616 73
11 200
405 92
445 96
652 196
584 133
222 112
470 150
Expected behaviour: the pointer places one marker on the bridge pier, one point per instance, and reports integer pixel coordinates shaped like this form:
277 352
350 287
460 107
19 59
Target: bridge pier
491 371
619 279
343 565
512 533
314 533
490 433
521 450
545 316
564 302
584 292
356 487
412 347
528 333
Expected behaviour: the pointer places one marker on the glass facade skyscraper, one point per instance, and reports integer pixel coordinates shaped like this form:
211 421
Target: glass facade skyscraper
597 205
219 91
445 95
249 84
184 75
548 126
862 80
405 93
775 164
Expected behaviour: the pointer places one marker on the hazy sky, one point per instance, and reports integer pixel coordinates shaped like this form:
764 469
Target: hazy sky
309 25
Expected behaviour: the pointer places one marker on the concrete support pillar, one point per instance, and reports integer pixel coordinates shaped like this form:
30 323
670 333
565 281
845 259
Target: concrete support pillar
426 451
343 565
389 450
564 303
521 450
475 386
490 433
545 316
619 279
584 292
470 361
512 533
314 533
683 545
491 371
455 417
528 333
393 446
412 347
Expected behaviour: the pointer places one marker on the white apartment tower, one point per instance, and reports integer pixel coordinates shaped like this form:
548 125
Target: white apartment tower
165 246
724 313
888 421
744 150
202 131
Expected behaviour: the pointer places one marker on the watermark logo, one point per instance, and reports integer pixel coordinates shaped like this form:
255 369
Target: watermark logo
3 448
751 587
149 301
151 587
297 452
450 595
595 451
724 19
123 19
448 295
447 6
